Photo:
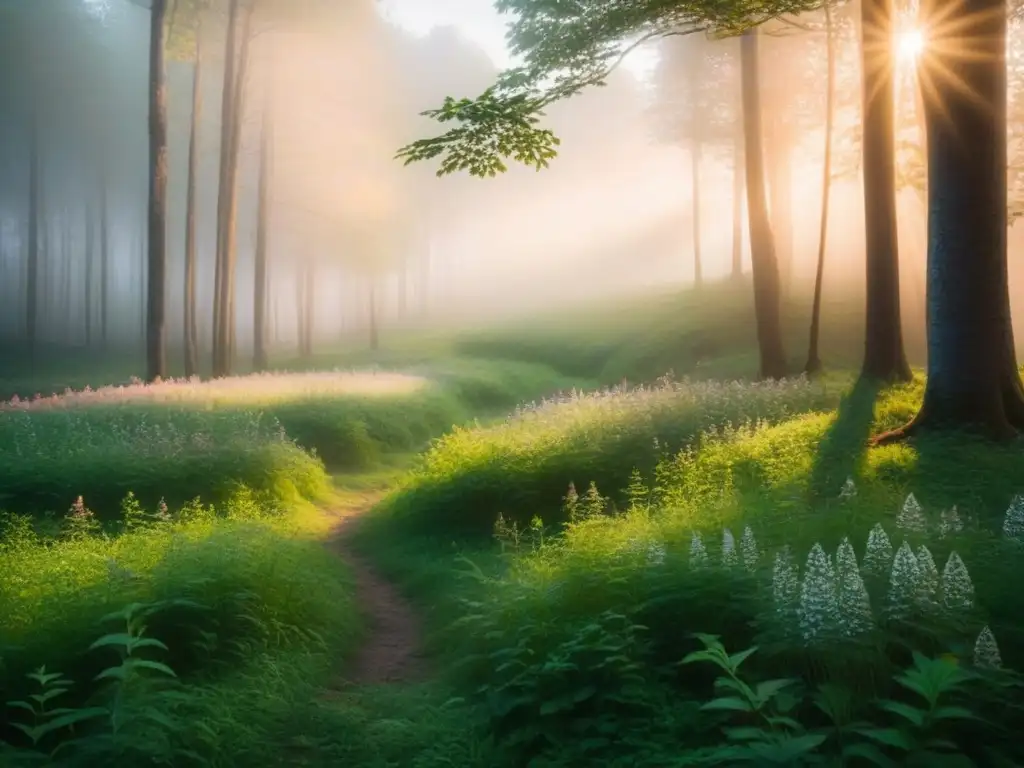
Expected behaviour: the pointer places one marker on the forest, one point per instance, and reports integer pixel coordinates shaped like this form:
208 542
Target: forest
418 383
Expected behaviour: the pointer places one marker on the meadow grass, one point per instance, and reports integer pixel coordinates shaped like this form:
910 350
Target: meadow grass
575 630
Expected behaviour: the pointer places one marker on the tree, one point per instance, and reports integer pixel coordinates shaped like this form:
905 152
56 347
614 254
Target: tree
568 48
259 303
972 372
813 358
884 356
156 353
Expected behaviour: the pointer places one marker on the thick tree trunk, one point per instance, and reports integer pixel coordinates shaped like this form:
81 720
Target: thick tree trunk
191 330
813 355
32 257
156 353
260 271
972 378
737 204
695 158
884 355
224 190
764 266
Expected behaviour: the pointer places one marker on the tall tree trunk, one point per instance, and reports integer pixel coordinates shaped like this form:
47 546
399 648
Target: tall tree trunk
90 269
764 265
260 268
884 355
300 307
224 189
374 332
156 352
737 203
104 262
191 330
813 356
33 256
231 212
66 263
309 306
972 378
695 158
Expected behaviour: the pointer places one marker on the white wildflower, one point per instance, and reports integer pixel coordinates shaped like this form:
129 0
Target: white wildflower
728 549
698 552
819 606
849 490
749 550
957 587
950 522
903 581
854 604
1013 523
928 577
878 557
655 553
785 584
986 652
911 516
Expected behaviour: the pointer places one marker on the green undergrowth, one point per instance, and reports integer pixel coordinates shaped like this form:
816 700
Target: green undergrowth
521 467
209 601
565 642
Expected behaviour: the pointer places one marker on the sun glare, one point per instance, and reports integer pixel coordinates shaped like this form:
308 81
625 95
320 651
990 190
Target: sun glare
910 44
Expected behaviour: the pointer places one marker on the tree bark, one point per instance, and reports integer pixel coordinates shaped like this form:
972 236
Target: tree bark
695 158
32 257
260 268
972 378
813 365
156 353
884 355
224 189
737 204
191 330
764 265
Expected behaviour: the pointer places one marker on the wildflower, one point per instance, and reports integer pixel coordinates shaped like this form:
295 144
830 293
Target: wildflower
911 516
571 503
698 552
162 514
117 572
854 604
950 522
879 553
849 490
903 581
80 521
819 605
749 550
986 652
957 587
785 584
928 577
728 548
1013 523
655 553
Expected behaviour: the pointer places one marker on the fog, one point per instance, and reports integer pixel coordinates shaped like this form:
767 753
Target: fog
354 239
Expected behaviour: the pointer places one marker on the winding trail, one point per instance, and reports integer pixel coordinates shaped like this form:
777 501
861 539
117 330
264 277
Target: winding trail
392 651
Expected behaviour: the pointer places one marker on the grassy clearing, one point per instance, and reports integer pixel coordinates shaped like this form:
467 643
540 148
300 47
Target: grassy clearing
577 631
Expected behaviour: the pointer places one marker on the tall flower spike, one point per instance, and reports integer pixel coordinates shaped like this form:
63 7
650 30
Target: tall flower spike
1013 523
785 586
819 605
928 577
655 553
749 550
698 552
950 523
878 557
986 652
728 549
903 582
911 516
855 615
849 490
957 587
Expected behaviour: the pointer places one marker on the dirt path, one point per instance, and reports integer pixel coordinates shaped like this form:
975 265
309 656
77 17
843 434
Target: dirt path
391 653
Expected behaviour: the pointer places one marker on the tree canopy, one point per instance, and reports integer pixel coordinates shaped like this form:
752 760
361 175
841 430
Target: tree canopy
565 46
